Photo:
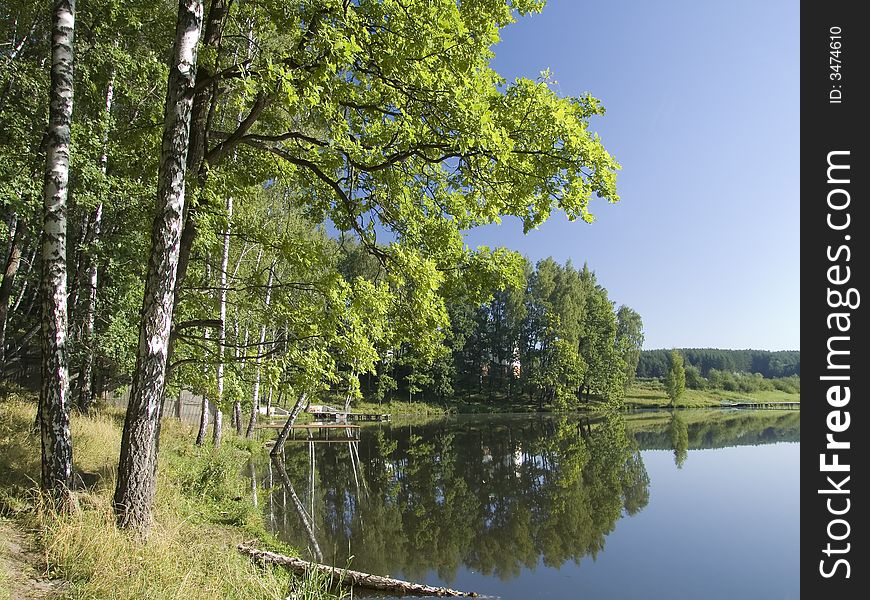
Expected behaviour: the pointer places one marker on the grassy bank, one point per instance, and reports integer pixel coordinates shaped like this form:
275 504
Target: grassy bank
652 394
398 408
498 402
203 510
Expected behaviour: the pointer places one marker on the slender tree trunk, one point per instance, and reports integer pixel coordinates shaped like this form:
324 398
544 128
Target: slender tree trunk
237 404
269 404
136 484
203 415
300 510
13 261
255 401
54 398
78 244
278 448
29 264
203 421
222 331
86 395
218 430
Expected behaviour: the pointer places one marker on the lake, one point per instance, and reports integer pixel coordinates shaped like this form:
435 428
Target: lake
649 505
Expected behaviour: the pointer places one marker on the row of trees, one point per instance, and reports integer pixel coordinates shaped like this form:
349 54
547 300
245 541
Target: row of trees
740 382
680 376
169 224
783 363
551 336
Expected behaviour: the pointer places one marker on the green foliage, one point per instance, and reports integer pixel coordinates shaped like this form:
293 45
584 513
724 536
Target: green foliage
694 381
359 141
675 382
629 341
551 338
678 431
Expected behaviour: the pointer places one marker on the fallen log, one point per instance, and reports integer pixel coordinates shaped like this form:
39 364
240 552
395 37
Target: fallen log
349 577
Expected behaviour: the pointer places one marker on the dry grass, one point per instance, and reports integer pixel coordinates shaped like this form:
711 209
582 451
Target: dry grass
203 510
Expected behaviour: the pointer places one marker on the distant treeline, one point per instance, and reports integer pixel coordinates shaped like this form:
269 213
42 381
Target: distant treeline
783 363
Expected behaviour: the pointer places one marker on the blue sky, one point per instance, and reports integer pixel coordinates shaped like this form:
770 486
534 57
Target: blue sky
703 114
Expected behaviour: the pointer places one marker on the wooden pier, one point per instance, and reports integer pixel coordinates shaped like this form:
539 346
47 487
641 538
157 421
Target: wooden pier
314 425
350 416
754 404
324 412
351 431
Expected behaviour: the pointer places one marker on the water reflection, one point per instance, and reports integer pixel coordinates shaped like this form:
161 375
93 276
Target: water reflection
678 430
488 495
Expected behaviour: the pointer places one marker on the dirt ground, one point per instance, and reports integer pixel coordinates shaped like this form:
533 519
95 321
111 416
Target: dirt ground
21 572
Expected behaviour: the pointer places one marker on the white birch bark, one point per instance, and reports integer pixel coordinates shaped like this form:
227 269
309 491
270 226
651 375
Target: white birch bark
136 484
222 330
203 415
54 398
255 401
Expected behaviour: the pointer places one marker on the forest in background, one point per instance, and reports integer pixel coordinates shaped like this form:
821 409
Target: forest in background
730 370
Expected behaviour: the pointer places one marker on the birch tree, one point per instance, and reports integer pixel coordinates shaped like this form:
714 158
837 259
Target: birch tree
255 400
136 483
54 398
222 329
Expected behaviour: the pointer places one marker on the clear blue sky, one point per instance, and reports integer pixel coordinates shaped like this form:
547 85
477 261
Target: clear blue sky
702 113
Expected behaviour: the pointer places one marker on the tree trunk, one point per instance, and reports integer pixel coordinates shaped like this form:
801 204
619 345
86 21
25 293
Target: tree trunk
222 330
255 401
269 404
297 504
203 415
136 484
13 261
203 422
352 578
237 404
89 293
78 243
22 292
54 398
301 403
237 417
198 139
218 430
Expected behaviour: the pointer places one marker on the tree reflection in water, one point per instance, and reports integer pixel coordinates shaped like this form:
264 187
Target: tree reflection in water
493 495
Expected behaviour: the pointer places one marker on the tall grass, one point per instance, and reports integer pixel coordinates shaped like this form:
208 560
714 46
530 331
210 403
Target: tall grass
202 511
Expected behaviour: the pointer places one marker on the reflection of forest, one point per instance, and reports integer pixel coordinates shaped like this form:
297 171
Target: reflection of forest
493 495
714 428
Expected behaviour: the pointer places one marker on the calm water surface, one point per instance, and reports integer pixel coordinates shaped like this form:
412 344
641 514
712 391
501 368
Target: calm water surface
697 504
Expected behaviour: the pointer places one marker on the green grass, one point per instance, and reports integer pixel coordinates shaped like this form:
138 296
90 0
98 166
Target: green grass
202 511
398 408
651 394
